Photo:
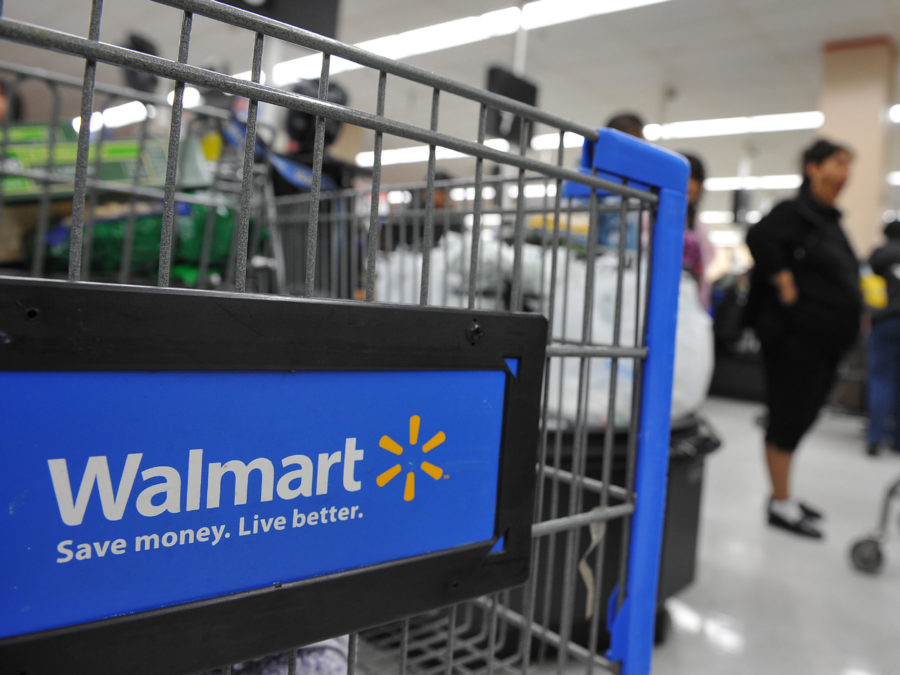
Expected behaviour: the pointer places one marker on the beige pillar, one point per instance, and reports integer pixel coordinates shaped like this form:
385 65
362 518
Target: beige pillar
857 90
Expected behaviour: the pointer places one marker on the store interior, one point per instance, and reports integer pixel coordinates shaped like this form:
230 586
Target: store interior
743 84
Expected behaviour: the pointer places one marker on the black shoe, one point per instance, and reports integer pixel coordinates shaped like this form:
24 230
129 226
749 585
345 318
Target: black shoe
873 450
802 527
810 513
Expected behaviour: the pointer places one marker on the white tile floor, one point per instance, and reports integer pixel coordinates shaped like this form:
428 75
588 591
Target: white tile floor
769 602
766 602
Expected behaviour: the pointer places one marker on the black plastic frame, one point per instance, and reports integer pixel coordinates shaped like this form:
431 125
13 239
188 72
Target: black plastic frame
61 326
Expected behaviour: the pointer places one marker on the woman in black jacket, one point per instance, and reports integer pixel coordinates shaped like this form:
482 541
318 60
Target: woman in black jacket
805 305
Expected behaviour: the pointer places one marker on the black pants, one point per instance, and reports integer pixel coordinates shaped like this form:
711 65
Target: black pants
800 372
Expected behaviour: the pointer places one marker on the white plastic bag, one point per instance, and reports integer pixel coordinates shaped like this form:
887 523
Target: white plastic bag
399 280
693 345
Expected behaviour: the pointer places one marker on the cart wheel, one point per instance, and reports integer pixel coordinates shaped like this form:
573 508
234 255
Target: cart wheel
866 555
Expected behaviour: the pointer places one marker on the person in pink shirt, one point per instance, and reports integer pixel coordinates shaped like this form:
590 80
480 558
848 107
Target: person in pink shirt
698 252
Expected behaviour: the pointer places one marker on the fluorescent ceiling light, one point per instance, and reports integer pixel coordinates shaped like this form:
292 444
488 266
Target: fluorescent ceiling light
785 122
191 98
731 126
458 32
419 153
725 218
136 111
728 126
307 68
551 12
785 182
409 43
461 194
125 114
117 116
729 184
399 197
445 35
96 122
551 141
487 220
248 75
732 183
716 218
533 191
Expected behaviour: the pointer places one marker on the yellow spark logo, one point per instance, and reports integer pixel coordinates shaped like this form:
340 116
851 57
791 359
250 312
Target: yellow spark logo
389 444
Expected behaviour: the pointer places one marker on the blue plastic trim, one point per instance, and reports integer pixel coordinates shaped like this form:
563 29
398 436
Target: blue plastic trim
513 366
618 645
632 630
618 156
580 190
635 160
611 609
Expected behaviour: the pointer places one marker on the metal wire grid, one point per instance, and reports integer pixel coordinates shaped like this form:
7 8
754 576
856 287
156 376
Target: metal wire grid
344 221
310 256
223 193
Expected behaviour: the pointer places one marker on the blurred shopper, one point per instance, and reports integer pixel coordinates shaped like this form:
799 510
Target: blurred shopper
884 345
628 123
4 101
10 104
698 252
805 306
608 229
408 227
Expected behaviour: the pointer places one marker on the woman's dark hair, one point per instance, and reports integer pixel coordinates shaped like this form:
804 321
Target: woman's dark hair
892 230
817 153
698 170
628 123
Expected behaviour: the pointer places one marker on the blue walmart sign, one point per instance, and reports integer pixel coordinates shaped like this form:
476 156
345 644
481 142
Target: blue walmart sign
125 492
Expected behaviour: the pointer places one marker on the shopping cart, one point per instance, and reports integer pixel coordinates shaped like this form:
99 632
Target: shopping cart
867 552
503 243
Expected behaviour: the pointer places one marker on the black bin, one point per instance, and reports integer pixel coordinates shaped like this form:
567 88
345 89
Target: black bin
690 441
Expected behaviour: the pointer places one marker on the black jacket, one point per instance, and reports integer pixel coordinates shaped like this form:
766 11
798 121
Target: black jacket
885 262
805 236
